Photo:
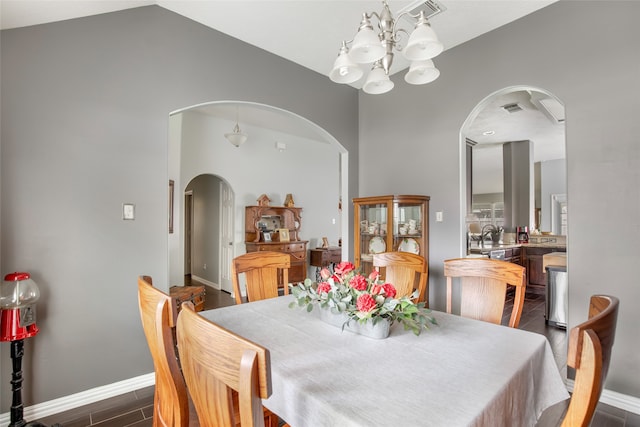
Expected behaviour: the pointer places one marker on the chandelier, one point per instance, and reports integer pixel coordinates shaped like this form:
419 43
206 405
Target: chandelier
236 137
377 47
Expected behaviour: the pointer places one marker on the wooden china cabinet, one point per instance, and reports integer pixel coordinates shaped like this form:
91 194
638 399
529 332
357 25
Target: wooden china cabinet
263 231
387 224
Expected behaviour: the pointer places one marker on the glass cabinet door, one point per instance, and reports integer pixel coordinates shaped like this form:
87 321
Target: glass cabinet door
373 227
389 224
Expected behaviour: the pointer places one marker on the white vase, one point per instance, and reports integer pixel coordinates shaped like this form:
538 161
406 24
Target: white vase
378 331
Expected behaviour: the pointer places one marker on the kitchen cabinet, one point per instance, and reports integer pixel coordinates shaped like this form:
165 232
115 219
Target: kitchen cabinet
513 255
387 224
265 228
536 274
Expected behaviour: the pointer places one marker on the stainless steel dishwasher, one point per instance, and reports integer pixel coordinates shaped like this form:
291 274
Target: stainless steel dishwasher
557 304
556 289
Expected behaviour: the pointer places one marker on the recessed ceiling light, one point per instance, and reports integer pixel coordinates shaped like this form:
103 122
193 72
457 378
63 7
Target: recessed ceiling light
489 132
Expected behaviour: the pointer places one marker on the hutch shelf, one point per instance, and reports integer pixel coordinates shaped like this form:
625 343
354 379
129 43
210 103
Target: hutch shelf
266 229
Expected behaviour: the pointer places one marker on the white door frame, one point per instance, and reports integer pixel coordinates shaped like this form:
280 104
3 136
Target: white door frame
227 203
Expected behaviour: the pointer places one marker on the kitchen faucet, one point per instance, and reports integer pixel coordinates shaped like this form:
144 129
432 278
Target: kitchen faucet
492 230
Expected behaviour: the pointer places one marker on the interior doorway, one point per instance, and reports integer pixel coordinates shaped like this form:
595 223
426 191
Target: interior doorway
208 229
536 117
226 236
275 155
516 113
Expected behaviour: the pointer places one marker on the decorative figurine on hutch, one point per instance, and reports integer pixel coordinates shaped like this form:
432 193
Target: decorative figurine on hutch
263 200
288 201
18 296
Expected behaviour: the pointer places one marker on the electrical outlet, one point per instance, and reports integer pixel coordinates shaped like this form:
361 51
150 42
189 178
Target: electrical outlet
205 266
438 216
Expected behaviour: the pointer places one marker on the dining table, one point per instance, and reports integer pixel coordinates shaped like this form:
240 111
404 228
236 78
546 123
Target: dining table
460 372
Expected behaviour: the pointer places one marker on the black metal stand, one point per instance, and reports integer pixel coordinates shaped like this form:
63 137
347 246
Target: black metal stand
17 351
17 420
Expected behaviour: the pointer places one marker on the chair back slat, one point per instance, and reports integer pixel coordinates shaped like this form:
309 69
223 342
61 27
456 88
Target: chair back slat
216 362
483 288
264 271
488 290
589 353
157 311
405 271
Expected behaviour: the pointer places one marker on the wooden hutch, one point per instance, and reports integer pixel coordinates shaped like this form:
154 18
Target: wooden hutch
389 224
264 227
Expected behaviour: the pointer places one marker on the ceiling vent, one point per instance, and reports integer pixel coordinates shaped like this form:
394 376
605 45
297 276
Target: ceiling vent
431 8
512 108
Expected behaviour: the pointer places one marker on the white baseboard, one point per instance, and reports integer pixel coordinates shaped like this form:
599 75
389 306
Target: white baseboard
86 397
615 399
206 282
41 410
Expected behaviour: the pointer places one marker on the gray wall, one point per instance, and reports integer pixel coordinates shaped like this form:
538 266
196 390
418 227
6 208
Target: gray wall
595 74
85 113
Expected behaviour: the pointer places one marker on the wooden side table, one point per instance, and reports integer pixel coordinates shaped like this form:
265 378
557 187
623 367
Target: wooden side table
325 257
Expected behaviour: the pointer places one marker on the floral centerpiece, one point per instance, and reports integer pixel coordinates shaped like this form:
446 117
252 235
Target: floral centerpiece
362 299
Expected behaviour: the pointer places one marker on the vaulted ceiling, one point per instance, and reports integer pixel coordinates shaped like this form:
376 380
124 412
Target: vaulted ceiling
309 33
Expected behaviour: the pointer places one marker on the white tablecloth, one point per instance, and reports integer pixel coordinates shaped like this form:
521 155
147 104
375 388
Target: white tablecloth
461 373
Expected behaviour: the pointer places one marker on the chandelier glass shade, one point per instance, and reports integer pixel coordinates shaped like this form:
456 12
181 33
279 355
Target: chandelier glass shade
345 70
421 72
377 81
377 47
236 137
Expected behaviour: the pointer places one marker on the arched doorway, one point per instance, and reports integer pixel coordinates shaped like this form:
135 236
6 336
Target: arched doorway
516 113
284 153
208 231
532 119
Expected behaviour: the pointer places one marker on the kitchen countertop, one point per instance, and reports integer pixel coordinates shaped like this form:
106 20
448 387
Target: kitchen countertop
488 247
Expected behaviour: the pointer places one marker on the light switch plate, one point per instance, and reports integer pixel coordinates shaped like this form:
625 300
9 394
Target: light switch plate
438 216
128 211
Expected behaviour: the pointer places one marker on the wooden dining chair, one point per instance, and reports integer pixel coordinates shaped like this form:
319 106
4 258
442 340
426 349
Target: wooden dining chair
158 314
589 353
483 288
215 363
406 271
262 271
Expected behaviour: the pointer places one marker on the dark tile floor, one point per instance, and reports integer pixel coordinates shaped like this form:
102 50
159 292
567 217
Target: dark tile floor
134 409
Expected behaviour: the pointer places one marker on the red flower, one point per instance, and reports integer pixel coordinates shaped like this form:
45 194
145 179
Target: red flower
358 282
344 267
389 290
373 276
324 287
365 303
